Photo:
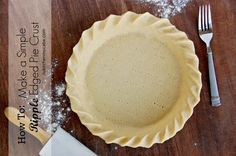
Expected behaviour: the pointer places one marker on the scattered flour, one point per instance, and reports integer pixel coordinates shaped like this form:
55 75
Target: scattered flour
53 110
165 8
60 89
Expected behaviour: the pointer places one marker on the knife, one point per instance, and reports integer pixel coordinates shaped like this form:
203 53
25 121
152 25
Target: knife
61 143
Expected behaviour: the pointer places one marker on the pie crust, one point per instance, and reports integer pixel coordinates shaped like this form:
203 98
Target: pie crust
133 79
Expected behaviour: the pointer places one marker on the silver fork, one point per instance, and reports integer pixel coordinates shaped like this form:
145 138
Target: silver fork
206 34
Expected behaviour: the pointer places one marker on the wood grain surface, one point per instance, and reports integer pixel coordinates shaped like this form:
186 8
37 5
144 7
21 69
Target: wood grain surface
209 132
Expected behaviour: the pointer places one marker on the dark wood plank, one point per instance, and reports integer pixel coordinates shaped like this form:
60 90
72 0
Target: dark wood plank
3 76
210 131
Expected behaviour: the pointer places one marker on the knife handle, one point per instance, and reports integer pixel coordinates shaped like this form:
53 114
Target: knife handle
11 113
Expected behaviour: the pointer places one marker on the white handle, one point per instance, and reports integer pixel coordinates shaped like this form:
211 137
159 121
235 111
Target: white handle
215 98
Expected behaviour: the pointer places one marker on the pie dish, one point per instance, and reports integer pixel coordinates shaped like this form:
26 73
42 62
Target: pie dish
133 79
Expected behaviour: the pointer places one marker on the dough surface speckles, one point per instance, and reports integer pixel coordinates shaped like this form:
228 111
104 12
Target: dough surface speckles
133 79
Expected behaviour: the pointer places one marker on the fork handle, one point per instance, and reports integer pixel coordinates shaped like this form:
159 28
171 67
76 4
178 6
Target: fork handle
215 98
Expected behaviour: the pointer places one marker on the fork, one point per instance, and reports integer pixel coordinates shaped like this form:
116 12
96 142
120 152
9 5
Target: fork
206 34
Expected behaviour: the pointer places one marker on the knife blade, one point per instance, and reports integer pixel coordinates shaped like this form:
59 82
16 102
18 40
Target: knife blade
63 144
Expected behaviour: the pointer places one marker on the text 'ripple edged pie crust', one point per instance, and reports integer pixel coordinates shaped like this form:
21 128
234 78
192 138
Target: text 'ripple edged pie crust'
133 79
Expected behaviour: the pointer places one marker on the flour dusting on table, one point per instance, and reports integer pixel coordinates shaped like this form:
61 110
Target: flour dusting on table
53 108
165 8
60 89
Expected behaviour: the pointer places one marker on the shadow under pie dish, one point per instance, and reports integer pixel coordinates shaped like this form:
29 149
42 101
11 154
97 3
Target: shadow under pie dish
133 79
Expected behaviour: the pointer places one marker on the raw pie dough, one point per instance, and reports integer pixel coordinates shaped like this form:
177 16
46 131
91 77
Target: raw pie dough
133 79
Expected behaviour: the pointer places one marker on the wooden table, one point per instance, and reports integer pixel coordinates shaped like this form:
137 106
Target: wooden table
210 131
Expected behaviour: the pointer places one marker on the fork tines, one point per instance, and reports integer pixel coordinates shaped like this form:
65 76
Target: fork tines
204 18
